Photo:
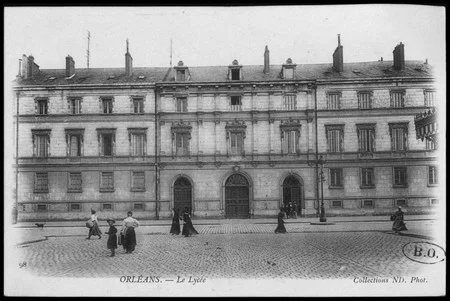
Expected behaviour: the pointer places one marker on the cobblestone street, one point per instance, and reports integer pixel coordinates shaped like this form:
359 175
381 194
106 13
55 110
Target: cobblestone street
335 255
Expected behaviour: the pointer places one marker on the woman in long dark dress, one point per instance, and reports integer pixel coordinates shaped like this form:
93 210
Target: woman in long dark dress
175 229
111 244
129 236
188 228
398 218
280 227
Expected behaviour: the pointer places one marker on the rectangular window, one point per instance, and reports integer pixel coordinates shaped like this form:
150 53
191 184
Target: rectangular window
41 183
235 74
430 98
181 75
138 206
290 102
397 99
288 73
107 207
236 143
399 137
107 181
434 201
336 204
138 141
364 100
74 207
182 144
367 178
138 105
433 175
367 203
401 203
75 106
235 103
107 144
41 144
400 177
107 105
41 208
75 182
430 145
138 181
74 145
42 107
334 101
366 139
335 137
181 104
336 177
290 142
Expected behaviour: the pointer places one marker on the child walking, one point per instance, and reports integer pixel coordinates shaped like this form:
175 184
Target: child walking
112 239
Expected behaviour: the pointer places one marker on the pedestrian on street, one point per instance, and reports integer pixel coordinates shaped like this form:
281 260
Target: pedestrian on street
280 227
111 244
188 228
398 218
94 229
129 235
175 229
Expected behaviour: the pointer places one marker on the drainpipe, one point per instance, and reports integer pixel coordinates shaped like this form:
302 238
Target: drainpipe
156 157
16 206
317 147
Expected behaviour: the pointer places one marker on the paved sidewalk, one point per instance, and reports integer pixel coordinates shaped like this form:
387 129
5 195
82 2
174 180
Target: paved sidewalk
420 226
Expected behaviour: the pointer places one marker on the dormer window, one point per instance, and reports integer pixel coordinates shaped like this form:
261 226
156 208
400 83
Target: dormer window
288 70
181 72
234 71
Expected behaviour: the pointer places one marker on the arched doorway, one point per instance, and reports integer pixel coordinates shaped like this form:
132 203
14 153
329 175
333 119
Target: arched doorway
236 197
182 194
292 191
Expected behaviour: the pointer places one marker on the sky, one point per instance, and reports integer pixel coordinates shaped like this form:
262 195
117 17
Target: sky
205 36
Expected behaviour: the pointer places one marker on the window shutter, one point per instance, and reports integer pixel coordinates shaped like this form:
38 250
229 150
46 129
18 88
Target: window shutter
100 144
113 151
67 145
100 100
47 145
81 145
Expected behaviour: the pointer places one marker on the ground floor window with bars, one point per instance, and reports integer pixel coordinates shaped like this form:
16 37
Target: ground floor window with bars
75 182
41 182
336 179
106 182
433 175
138 181
367 178
400 179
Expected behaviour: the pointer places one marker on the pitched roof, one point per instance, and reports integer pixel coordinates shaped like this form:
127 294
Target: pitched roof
105 76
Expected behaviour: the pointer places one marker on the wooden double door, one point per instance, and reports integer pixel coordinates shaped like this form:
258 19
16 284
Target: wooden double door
237 197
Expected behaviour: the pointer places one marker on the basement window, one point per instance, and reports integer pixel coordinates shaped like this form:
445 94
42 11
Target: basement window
141 77
41 208
107 207
138 206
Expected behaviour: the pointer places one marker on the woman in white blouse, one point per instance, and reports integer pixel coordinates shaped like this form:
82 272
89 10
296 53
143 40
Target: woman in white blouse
129 236
94 230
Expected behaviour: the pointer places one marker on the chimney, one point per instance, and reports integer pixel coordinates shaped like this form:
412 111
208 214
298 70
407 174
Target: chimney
338 57
266 60
399 57
29 67
70 66
20 68
128 63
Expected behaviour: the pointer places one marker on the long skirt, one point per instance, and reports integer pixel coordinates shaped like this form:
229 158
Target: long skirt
112 242
280 228
95 230
175 229
129 240
399 225
188 229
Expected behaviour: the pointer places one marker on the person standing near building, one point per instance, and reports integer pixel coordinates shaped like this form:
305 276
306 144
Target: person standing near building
398 218
111 244
94 229
188 228
175 229
129 235
280 227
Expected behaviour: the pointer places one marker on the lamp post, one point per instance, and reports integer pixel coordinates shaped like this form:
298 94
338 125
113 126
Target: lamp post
323 217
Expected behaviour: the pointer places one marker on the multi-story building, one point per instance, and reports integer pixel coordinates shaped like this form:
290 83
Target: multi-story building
233 141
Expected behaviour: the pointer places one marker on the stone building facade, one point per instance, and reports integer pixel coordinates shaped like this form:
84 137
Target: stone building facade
233 141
